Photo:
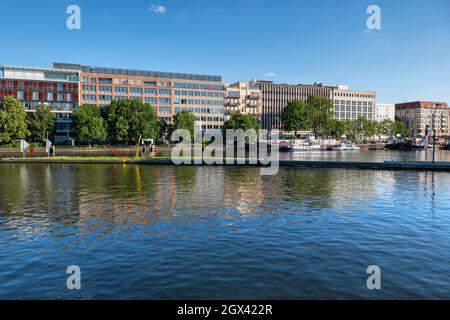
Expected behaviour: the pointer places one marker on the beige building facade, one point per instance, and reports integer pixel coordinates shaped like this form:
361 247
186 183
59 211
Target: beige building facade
243 97
421 117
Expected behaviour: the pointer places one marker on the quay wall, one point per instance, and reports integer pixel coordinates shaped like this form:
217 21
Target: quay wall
392 165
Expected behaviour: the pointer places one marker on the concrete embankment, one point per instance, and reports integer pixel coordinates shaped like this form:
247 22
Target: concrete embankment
392 165
71 152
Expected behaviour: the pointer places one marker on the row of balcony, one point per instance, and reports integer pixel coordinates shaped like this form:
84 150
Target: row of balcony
236 104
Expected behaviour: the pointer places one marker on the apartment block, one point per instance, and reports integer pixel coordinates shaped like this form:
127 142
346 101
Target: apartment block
56 88
168 93
243 97
419 116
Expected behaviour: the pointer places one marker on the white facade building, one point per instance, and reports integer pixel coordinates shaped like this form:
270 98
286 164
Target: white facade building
352 104
385 111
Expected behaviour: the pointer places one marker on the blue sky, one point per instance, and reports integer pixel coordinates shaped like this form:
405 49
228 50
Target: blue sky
292 41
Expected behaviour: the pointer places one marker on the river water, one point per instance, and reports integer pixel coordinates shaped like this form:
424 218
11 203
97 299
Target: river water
165 232
369 156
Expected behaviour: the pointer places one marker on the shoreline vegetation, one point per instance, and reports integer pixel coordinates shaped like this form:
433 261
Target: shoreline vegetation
125 122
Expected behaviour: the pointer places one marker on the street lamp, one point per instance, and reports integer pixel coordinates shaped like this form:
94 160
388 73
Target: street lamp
434 132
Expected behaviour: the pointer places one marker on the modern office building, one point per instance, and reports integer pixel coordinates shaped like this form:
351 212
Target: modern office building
419 116
352 104
384 111
347 104
167 92
274 97
68 85
56 88
243 97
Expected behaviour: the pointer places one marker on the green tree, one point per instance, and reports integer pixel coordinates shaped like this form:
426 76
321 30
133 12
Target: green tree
385 127
242 121
294 116
400 128
164 130
41 123
143 121
89 124
319 113
13 120
350 129
184 120
118 116
335 129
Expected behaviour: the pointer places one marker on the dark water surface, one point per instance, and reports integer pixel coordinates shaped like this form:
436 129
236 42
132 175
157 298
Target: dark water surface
163 232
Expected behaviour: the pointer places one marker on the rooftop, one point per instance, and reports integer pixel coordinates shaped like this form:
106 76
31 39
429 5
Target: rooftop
137 73
415 104
36 69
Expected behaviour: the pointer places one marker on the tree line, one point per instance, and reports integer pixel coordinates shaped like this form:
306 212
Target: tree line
121 122
16 123
125 121
316 115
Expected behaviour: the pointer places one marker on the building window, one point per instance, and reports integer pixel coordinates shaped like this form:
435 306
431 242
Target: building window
164 101
151 101
105 80
35 95
121 90
69 97
150 83
49 96
89 98
20 94
136 91
106 89
150 92
105 98
87 88
164 109
164 93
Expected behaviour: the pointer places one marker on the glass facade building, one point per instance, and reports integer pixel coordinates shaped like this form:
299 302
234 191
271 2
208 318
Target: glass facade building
58 89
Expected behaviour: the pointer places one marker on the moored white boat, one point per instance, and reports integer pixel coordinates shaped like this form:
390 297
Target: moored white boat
303 145
346 147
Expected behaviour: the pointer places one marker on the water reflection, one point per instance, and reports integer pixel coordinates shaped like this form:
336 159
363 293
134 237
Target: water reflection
368 156
222 232
90 197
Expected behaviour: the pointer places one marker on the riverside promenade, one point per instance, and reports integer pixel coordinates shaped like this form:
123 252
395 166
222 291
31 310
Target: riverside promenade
387 165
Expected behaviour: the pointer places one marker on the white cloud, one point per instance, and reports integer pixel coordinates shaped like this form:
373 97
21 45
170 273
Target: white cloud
270 75
158 9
